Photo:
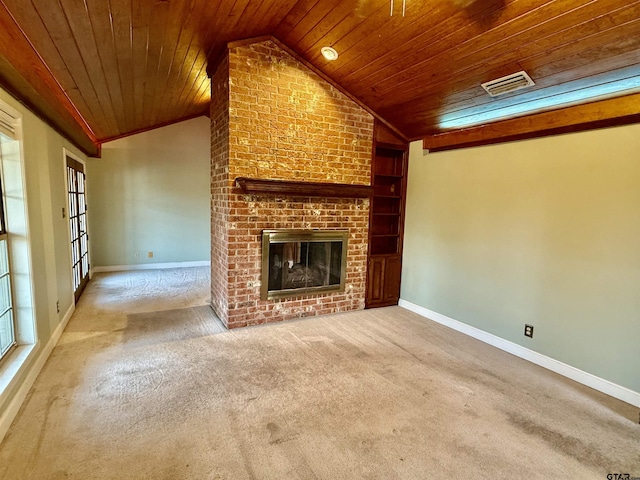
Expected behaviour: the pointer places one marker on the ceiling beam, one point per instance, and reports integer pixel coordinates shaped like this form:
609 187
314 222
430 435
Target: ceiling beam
601 114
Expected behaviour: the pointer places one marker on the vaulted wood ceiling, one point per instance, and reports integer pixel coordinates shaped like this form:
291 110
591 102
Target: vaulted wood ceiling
101 69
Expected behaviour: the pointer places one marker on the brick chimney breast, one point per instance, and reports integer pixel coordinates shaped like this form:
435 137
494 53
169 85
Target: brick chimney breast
273 118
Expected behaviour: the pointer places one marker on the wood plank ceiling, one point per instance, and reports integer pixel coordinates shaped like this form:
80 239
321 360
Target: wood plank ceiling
101 69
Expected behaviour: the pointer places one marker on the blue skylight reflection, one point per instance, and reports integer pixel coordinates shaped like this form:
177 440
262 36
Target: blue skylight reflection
597 92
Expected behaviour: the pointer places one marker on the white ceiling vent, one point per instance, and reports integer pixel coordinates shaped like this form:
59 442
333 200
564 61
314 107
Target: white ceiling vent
508 84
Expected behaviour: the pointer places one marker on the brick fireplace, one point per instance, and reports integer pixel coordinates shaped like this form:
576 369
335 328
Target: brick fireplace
273 118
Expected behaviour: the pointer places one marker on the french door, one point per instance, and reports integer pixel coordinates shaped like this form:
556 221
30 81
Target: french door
78 226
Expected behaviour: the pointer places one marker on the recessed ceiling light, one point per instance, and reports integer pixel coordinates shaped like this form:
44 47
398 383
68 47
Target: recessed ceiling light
329 53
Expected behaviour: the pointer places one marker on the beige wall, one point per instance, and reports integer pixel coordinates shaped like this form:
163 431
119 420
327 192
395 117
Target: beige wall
545 232
44 178
150 192
165 173
46 196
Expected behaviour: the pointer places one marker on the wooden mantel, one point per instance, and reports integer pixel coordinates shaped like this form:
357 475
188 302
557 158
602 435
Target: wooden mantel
302 188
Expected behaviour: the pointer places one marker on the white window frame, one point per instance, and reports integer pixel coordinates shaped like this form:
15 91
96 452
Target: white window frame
15 365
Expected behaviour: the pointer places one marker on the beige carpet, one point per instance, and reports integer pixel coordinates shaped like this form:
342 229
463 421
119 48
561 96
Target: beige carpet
146 384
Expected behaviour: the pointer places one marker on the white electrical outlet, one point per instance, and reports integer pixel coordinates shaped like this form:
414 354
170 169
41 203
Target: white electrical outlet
528 330
137 255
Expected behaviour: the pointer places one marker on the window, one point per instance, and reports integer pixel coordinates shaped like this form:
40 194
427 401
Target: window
18 334
7 326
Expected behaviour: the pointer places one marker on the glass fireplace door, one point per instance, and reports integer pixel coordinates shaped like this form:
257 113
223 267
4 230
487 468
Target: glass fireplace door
295 262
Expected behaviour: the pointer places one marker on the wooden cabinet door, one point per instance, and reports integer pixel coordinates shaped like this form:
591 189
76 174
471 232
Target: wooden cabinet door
375 292
392 272
384 281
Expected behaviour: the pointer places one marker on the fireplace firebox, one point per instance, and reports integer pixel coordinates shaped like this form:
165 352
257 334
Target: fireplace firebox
303 261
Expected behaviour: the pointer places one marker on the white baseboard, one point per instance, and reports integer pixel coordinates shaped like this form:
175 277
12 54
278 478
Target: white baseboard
11 410
580 376
150 266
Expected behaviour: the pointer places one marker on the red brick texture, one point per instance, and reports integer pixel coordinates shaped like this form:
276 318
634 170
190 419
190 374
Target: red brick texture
220 190
283 122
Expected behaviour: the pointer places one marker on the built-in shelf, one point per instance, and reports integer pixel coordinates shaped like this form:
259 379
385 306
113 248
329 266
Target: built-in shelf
389 167
303 189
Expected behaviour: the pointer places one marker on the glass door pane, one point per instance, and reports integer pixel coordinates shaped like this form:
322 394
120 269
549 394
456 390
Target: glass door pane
78 226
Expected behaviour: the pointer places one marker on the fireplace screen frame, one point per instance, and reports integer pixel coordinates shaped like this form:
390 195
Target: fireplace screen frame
271 237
